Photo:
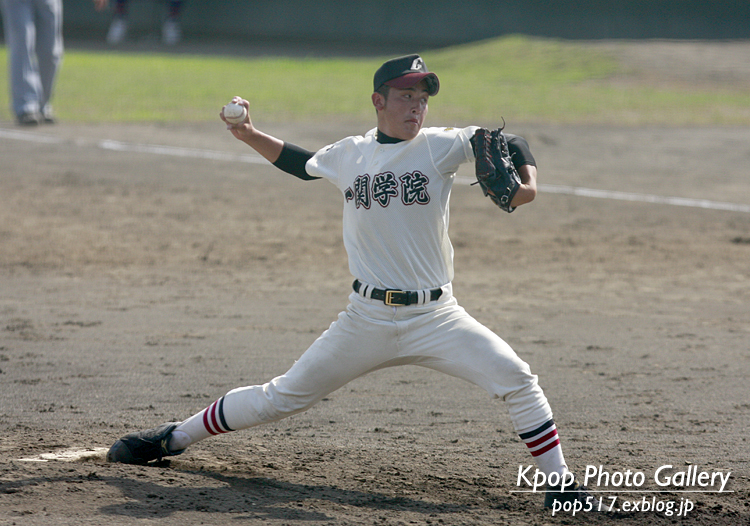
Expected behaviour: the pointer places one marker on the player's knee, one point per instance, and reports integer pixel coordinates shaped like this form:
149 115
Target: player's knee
525 388
283 401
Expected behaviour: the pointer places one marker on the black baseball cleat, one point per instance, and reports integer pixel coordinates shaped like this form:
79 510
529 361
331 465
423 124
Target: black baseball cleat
570 493
144 446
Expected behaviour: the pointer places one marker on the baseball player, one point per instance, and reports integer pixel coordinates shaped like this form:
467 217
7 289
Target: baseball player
395 182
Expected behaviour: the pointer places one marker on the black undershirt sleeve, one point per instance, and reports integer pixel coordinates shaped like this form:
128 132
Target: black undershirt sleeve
293 159
519 151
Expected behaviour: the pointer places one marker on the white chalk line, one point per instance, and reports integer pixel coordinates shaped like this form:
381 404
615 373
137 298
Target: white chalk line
644 198
627 196
28 137
175 151
156 149
67 455
215 155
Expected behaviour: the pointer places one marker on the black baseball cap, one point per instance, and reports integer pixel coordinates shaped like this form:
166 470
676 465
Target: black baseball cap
405 72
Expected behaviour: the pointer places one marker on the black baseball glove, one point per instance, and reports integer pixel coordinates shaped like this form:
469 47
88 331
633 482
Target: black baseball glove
494 168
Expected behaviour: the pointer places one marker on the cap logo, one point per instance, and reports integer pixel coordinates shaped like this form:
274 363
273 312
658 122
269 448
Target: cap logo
404 72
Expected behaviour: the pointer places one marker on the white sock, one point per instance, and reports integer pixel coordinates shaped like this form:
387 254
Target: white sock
552 462
179 441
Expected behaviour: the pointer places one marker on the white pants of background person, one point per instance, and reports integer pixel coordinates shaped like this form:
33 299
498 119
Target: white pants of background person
33 36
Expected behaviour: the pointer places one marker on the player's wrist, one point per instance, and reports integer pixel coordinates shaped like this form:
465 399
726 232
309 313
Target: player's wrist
526 193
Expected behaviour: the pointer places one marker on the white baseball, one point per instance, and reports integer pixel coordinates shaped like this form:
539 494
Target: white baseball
234 113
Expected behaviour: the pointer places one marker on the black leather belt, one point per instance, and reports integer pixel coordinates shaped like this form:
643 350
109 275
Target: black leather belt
397 298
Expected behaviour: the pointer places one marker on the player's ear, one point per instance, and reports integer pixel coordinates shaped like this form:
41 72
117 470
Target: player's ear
378 101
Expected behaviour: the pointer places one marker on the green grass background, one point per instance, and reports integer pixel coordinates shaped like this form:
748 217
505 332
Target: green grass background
518 78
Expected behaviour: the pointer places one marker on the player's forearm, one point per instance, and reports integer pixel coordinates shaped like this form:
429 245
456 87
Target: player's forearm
266 145
527 191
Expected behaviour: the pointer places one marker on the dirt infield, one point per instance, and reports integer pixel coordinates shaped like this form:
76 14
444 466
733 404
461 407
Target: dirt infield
138 285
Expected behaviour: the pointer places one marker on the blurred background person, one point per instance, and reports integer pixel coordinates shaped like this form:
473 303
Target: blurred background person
33 35
171 31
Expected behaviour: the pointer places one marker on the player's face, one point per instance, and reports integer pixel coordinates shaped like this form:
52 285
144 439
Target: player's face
402 114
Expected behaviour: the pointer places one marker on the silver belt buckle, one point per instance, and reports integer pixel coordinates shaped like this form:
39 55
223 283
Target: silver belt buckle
389 298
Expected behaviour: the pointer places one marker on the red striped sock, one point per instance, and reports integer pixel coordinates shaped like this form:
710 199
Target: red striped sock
209 422
544 446
213 418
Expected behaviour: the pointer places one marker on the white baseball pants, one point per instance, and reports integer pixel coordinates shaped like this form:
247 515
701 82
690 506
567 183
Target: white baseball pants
370 335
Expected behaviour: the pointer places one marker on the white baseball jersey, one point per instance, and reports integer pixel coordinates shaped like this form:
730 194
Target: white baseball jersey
396 204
